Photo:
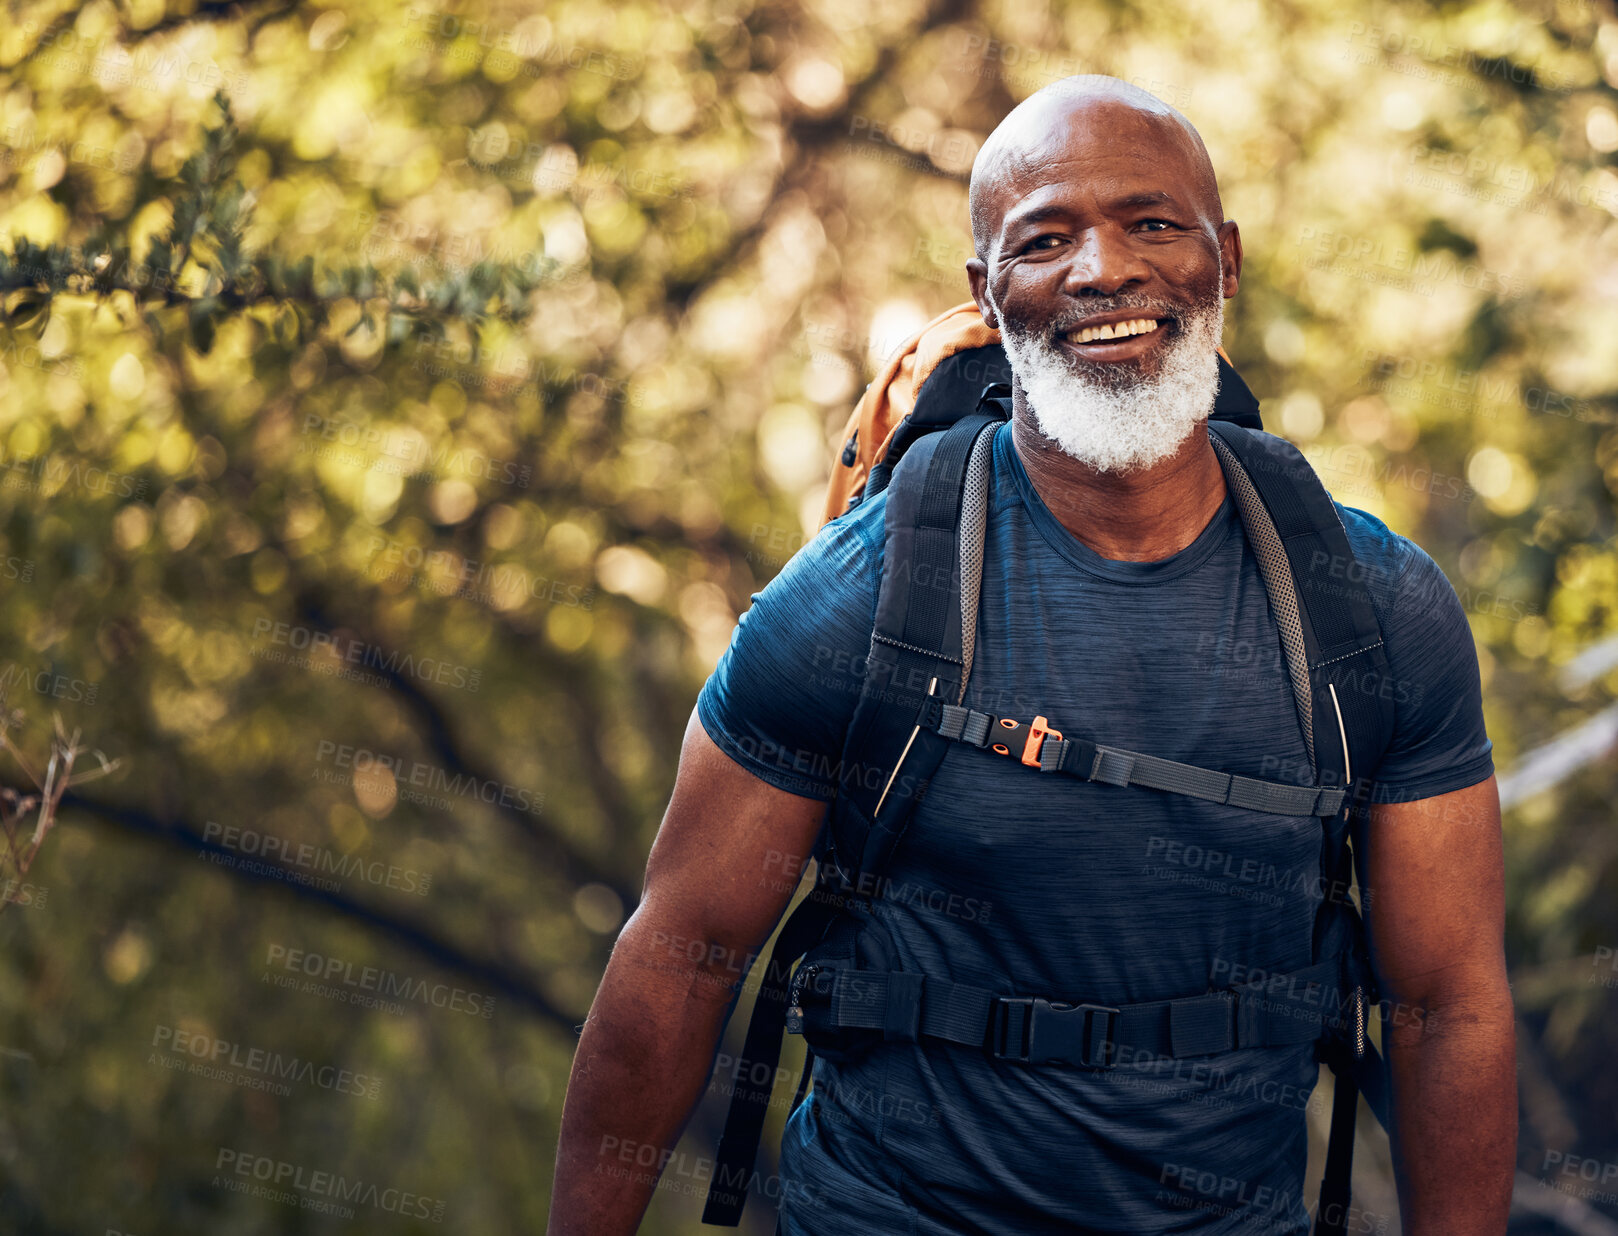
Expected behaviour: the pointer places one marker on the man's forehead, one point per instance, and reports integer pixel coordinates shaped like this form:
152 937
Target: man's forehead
1109 169
1102 118
1109 138
1099 138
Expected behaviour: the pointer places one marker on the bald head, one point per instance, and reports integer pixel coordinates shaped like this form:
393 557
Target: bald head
1040 130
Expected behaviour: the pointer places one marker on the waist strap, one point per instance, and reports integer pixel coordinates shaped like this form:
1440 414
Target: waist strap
1042 747
1284 1010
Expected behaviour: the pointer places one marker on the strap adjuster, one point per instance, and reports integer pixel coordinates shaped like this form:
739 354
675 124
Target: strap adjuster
1036 740
1032 1030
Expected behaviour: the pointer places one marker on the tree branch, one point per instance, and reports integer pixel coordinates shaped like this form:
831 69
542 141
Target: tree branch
807 137
439 736
395 928
206 10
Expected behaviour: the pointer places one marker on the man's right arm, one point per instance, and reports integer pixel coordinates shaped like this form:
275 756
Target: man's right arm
720 874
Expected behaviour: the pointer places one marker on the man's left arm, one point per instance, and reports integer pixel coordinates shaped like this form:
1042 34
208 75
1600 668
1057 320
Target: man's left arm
1435 907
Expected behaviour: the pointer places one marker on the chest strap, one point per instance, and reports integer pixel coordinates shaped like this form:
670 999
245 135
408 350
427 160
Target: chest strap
1284 1010
1040 746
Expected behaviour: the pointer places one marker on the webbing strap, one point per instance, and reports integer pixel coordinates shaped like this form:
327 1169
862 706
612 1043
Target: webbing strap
1355 1076
1371 1074
1331 1208
1283 1011
1276 571
761 1052
1091 761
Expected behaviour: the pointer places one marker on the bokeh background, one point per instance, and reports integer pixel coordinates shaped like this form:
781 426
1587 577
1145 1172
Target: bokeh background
400 401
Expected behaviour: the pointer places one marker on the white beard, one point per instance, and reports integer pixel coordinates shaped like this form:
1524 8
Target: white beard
1120 428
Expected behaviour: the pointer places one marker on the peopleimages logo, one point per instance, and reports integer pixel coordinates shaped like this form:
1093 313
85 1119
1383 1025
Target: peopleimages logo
643 1163
315 1187
864 885
446 573
277 852
54 472
253 1067
47 681
356 986
412 775
352 651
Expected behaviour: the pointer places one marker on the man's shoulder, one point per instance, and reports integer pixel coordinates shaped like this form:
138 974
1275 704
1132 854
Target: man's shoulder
827 590
1439 741
781 696
851 542
1400 576
863 521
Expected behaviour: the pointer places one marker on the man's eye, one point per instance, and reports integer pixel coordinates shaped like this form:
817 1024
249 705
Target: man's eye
1039 241
1164 222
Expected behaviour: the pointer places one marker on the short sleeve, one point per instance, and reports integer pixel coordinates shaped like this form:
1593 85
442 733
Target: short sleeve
781 698
1439 740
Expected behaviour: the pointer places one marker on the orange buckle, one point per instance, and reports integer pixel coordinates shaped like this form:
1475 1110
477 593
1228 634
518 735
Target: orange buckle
1036 740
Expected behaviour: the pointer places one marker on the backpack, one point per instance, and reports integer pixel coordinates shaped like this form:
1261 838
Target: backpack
921 432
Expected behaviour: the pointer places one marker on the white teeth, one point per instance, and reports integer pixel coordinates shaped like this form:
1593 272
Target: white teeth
1116 330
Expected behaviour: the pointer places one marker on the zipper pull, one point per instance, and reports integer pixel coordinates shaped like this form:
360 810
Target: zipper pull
795 997
849 449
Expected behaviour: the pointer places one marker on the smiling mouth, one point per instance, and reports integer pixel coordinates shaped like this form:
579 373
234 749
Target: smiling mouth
1111 331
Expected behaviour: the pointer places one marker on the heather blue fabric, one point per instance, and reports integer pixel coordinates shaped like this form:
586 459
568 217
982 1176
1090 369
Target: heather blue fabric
1077 890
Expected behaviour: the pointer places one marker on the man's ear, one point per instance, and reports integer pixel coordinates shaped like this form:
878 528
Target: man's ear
1230 256
977 275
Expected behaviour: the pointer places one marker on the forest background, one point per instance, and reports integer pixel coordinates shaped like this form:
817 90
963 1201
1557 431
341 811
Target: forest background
400 402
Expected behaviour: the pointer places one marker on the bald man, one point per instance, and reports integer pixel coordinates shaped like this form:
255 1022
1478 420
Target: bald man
1118 590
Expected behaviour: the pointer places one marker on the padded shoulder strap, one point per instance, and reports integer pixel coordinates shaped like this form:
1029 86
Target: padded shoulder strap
1317 589
1333 643
922 641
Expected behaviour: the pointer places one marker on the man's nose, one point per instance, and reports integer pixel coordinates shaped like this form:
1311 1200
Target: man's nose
1104 263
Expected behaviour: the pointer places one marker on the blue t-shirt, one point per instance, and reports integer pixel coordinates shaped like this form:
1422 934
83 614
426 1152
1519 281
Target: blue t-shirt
1077 890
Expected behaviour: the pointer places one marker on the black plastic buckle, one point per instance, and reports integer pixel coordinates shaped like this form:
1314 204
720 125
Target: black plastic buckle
999 395
1032 1030
1021 741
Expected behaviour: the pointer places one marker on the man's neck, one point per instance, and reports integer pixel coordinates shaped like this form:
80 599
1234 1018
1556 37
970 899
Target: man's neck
1134 517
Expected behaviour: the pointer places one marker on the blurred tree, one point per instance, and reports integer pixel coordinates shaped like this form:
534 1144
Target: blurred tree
397 407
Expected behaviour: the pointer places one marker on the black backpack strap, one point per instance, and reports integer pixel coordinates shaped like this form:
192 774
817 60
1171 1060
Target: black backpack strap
926 619
1042 746
922 640
1235 401
1331 1207
761 1053
896 1005
921 653
1318 592
956 383
1339 669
